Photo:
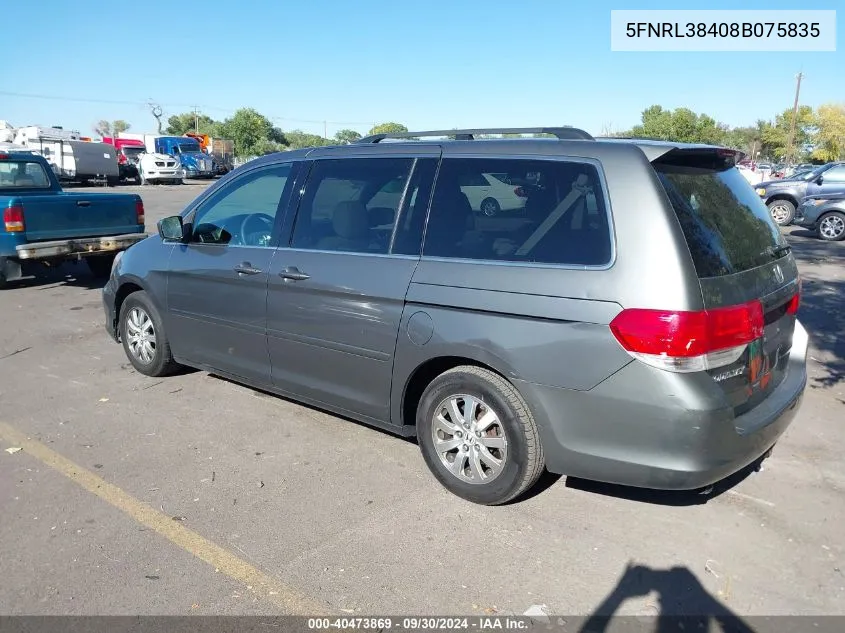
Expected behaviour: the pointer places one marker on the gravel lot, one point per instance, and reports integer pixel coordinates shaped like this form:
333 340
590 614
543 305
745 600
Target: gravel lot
222 500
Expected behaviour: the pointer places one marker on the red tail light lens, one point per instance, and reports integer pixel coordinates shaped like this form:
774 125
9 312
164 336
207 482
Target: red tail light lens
689 341
14 220
795 302
519 191
139 211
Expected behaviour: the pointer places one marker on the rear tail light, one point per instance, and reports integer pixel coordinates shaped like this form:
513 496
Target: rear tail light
795 302
139 211
519 191
689 341
13 219
121 159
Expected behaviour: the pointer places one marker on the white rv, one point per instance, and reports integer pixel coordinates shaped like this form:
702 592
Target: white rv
71 157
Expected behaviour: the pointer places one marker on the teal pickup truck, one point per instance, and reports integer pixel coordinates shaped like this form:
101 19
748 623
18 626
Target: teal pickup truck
43 225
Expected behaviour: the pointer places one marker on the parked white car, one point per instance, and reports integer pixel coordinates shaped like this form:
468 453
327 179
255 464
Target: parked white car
164 168
491 196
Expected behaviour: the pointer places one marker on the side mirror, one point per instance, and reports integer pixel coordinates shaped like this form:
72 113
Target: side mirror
171 228
820 179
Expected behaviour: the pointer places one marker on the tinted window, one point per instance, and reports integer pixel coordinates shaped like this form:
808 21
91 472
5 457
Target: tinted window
558 216
834 174
409 229
23 175
244 212
351 205
727 227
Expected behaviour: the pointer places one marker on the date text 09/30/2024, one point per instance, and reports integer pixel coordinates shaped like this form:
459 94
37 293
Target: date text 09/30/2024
477 623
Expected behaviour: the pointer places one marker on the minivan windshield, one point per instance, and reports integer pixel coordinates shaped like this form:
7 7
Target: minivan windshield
727 227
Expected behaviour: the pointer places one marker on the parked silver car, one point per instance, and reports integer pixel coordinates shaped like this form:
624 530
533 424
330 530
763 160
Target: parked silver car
635 323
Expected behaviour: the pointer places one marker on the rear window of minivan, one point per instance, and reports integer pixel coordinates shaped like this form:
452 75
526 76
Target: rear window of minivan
727 227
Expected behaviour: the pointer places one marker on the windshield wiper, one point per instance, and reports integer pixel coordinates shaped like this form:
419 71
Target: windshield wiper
777 251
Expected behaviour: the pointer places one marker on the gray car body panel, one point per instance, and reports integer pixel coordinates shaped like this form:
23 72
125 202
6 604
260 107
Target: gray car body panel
808 214
352 337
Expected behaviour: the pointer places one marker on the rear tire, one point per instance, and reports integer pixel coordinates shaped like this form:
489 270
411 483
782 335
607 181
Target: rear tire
782 211
143 337
498 444
100 265
832 226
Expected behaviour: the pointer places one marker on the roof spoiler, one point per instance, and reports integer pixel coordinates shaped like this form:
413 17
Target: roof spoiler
562 133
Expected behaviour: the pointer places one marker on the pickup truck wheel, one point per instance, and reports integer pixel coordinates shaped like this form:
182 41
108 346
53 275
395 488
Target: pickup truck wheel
143 337
478 437
100 265
783 212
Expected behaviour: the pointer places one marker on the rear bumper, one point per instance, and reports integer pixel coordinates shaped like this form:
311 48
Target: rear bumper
806 217
640 428
78 246
109 297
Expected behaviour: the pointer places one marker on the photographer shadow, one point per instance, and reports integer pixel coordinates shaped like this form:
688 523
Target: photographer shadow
683 605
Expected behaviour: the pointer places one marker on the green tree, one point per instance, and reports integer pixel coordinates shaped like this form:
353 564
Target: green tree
776 134
297 139
347 136
829 141
389 128
111 128
179 124
250 131
681 125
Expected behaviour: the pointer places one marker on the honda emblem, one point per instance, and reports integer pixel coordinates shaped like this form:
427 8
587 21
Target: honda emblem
778 273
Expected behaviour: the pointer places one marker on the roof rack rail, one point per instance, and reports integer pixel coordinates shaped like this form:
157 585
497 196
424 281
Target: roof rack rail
562 133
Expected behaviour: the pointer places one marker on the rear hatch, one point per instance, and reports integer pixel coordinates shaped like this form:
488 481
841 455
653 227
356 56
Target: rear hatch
73 215
747 272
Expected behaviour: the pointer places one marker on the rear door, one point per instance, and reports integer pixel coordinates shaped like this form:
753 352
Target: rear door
740 256
337 292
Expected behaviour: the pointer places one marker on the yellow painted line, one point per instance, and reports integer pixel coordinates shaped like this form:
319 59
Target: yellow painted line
289 600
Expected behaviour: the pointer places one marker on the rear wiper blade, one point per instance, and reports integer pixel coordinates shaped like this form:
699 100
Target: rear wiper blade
778 251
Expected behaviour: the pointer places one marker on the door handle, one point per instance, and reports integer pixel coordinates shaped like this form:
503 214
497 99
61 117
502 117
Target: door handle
83 203
245 268
293 273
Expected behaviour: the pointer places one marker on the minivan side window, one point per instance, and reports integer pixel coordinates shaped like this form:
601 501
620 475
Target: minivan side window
535 211
351 205
244 212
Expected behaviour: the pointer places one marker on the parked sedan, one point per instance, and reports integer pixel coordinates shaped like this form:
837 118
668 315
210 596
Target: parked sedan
823 214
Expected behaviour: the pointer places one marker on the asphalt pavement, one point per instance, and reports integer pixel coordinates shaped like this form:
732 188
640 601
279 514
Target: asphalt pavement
195 495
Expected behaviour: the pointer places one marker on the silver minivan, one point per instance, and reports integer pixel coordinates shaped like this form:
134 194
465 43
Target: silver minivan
630 318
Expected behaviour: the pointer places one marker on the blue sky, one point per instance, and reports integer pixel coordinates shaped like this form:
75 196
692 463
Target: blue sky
438 64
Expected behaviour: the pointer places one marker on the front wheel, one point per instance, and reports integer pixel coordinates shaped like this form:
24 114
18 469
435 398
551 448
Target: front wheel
478 436
832 226
783 212
143 336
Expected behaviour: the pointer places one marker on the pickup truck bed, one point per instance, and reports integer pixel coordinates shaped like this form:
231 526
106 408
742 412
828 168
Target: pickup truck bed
44 224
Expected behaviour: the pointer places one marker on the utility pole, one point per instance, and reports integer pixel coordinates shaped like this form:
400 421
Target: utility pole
326 130
799 76
196 119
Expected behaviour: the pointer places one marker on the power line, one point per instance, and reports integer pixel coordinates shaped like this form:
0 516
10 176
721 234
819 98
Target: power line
187 107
